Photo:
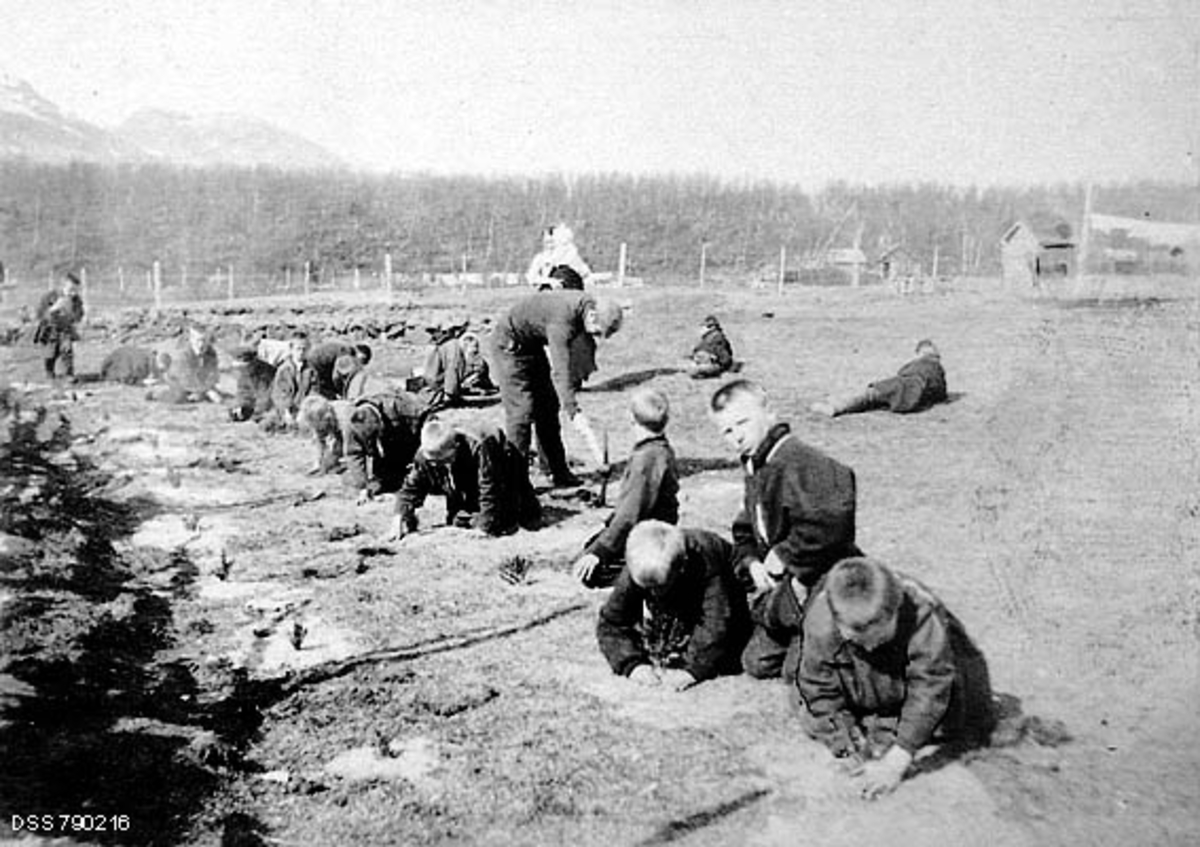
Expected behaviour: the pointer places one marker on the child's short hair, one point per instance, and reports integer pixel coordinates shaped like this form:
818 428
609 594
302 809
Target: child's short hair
725 395
316 415
298 334
437 438
652 550
926 344
650 408
366 421
863 590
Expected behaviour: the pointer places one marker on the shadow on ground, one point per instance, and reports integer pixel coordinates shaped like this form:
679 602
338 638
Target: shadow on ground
90 718
629 380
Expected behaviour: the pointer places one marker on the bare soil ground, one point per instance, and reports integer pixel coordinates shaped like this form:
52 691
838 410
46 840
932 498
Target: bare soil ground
150 664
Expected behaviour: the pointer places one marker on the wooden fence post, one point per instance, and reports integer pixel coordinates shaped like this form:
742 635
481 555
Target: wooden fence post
157 277
621 266
387 273
121 281
357 279
229 286
703 260
782 266
307 276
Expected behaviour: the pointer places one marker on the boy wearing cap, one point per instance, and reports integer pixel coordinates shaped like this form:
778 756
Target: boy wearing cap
918 385
886 670
381 440
677 614
322 359
532 355
58 315
797 521
483 477
455 369
712 355
649 490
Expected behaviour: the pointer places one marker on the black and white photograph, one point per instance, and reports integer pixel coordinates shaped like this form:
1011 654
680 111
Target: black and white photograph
540 422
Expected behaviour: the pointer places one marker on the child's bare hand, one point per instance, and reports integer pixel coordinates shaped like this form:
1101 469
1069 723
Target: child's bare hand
677 679
882 776
644 675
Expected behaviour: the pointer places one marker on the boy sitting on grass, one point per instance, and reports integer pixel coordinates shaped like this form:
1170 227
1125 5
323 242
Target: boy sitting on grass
649 490
677 615
886 670
483 476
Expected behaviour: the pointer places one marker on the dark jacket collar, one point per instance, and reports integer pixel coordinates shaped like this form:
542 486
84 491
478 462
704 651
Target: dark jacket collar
774 435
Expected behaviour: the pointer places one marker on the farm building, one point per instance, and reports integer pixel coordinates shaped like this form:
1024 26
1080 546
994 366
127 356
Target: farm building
896 262
1030 254
1137 246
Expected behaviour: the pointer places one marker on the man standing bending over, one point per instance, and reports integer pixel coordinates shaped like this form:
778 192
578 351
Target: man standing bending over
532 348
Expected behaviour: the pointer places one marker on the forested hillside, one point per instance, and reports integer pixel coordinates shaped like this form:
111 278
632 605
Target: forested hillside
263 221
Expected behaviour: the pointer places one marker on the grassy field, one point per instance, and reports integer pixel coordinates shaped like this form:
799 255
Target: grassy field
1054 504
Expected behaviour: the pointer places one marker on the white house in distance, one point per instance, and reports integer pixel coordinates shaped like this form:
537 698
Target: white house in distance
1118 245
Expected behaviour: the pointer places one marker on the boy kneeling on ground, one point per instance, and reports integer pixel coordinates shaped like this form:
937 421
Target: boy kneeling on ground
886 669
677 614
483 476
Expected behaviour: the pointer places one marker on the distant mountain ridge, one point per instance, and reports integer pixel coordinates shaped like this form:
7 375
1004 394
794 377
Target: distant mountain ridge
34 128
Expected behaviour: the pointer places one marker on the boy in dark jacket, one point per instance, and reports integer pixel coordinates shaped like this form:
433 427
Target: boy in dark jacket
294 380
132 365
483 477
322 360
677 615
58 316
712 355
649 489
918 385
381 440
886 670
797 521
193 374
252 402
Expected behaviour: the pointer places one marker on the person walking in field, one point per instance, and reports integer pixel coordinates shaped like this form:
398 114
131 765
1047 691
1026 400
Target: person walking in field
57 319
677 615
483 477
887 669
531 352
797 521
649 490
918 385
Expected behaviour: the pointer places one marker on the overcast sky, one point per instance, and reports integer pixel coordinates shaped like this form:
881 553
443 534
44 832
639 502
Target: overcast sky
974 91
